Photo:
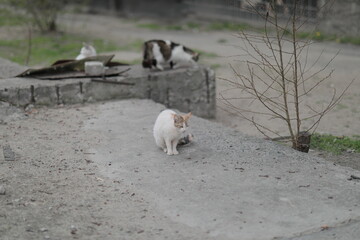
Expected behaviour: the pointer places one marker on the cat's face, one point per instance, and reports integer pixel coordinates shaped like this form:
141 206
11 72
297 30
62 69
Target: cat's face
88 50
181 121
149 63
195 56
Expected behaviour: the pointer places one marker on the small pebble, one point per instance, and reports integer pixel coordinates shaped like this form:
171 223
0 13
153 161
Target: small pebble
73 229
9 154
2 190
29 228
43 229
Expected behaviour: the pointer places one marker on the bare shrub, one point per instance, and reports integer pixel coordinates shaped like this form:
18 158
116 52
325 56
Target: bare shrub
280 76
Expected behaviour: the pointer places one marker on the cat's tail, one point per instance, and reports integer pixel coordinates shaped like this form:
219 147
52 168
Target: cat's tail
186 140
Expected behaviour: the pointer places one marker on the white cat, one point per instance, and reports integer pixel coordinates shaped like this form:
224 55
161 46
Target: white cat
160 53
86 51
168 129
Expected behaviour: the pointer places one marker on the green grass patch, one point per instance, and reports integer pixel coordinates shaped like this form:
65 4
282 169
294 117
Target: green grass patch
132 62
319 36
174 27
333 144
352 40
221 26
46 49
170 27
192 25
214 26
134 45
151 26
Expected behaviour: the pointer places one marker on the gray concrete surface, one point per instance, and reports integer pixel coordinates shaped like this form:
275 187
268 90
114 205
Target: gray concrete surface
226 184
187 89
94 172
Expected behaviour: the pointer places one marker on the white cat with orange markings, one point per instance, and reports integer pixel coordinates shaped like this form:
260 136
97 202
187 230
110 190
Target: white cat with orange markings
168 129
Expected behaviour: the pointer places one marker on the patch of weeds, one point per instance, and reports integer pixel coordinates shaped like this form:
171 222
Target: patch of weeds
8 18
352 40
333 144
170 27
46 49
214 26
319 36
104 45
151 26
174 27
192 25
132 62
134 45
228 26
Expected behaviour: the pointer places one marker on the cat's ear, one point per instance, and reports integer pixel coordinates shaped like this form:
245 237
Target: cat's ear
187 116
196 57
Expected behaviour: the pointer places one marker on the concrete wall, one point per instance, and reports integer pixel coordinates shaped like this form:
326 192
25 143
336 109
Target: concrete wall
191 89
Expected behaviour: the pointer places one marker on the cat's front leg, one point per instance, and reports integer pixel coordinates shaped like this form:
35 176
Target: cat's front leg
169 147
174 144
158 66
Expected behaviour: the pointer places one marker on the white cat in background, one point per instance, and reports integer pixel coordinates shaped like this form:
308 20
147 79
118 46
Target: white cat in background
168 129
86 51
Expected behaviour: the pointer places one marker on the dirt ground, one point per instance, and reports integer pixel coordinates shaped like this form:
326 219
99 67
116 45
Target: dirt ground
53 189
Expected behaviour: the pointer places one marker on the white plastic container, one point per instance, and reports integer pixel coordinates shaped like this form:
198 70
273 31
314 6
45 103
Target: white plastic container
94 68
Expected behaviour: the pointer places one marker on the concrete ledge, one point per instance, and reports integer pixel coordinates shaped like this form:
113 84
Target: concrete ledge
191 89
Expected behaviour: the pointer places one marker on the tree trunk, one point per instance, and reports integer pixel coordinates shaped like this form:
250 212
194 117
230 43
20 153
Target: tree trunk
303 142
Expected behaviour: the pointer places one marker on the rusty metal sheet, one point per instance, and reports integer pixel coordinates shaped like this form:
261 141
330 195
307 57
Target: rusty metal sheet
113 71
63 69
